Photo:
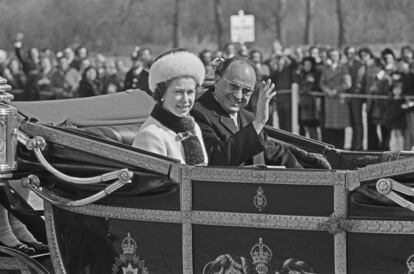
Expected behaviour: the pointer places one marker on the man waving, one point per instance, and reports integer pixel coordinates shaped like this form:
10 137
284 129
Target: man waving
232 135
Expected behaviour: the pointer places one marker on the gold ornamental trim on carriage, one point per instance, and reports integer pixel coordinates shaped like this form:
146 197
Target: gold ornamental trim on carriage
267 176
316 223
386 169
8 263
166 216
201 217
105 150
205 217
258 220
52 240
381 227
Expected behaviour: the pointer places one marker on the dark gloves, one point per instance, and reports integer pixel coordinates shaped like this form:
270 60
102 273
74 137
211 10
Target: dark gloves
309 159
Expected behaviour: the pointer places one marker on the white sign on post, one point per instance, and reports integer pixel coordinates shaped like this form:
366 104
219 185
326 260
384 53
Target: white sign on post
242 28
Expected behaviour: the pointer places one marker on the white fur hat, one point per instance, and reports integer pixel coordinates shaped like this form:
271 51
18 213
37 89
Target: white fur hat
173 64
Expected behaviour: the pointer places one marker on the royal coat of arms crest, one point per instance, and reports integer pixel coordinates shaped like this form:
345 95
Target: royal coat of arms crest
128 262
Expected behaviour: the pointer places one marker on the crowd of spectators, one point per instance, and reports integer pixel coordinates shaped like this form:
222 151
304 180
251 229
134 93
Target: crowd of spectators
333 85
71 73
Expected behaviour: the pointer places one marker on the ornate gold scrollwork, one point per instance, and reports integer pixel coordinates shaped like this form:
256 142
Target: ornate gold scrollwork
335 225
33 182
386 187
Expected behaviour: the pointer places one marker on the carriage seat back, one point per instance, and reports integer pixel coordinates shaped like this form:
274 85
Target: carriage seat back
124 134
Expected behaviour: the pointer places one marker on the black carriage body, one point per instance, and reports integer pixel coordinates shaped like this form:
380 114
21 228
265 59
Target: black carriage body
229 214
175 218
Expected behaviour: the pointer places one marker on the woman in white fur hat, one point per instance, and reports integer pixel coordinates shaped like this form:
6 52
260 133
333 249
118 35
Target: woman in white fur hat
173 79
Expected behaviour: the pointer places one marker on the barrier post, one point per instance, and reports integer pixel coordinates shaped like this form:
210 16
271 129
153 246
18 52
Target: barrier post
295 108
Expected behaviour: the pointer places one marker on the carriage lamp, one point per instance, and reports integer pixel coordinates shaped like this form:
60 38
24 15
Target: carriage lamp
8 124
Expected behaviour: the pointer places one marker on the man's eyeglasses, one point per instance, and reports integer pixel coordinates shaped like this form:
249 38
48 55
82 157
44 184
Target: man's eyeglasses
234 87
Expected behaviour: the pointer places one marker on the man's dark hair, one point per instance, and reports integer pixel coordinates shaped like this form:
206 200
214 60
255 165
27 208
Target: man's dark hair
346 49
333 50
228 44
406 47
201 55
313 47
386 52
367 51
311 60
254 51
204 51
141 51
77 50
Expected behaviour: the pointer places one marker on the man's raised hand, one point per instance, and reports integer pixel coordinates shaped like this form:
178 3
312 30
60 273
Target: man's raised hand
266 93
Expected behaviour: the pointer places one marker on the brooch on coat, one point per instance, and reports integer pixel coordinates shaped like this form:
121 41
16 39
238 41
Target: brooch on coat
181 136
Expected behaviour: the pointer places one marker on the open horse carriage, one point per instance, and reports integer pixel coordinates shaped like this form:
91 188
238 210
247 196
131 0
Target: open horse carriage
111 208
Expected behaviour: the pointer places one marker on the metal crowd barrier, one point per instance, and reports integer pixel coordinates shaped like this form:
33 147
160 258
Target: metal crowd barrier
295 101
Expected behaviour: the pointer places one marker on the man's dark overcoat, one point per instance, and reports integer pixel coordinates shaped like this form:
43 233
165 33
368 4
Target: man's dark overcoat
229 145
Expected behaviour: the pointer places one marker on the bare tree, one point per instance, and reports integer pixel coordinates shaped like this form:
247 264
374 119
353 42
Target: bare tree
341 22
116 26
126 10
176 24
310 7
218 15
280 16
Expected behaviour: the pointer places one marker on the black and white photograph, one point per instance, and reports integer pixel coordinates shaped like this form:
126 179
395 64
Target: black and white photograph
207 137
